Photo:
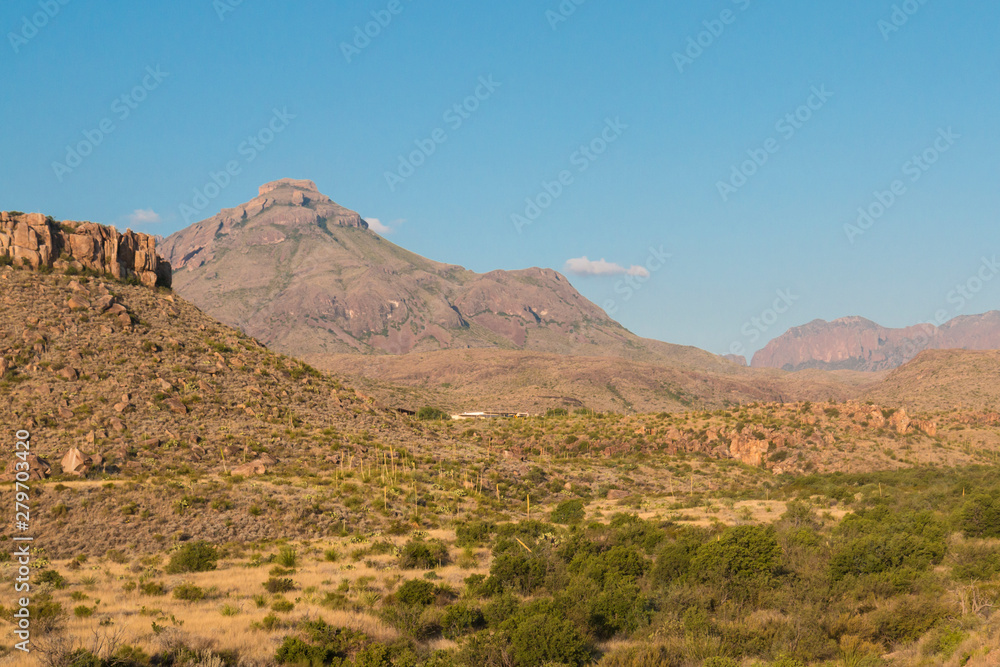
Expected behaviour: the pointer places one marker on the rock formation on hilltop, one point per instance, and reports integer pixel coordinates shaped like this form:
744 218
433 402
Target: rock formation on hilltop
308 277
280 205
40 242
855 343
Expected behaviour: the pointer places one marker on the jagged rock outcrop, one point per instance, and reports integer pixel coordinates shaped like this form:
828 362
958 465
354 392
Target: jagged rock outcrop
37 241
748 449
900 421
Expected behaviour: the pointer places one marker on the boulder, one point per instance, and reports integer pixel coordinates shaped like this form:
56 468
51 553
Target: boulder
76 302
105 302
175 405
75 463
250 469
38 469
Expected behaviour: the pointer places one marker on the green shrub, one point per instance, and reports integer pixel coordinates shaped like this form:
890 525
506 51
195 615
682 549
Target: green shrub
568 512
294 651
720 662
461 619
546 638
288 556
673 561
51 577
189 592
420 555
83 658
83 611
474 533
319 644
416 592
279 585
374 655
428 413
621 608
885 553
980 516
976 561
743 561
519 571
194 557
152 588
281 605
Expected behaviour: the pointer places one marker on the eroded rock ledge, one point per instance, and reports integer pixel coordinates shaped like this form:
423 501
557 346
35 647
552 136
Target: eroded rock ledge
37 241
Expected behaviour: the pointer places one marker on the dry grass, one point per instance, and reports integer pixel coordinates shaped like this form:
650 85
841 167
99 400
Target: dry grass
202 624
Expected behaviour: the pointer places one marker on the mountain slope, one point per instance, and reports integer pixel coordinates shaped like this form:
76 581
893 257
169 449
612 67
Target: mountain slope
153 389
526 381
939 380
307 276
855 343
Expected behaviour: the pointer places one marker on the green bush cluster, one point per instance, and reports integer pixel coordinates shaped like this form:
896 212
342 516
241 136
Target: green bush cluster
423 555
197 556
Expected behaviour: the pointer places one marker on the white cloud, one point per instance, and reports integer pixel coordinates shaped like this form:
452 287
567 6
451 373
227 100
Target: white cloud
381 228
582 266
143 216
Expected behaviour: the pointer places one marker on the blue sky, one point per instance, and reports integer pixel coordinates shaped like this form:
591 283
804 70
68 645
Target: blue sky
610 118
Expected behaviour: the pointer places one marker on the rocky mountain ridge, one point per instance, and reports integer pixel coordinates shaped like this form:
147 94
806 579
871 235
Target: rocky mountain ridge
855 343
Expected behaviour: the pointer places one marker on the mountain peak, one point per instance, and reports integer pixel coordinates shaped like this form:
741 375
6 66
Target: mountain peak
299 184
280 206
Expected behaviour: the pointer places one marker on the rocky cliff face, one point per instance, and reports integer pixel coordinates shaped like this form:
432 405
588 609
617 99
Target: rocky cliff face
40 242
855 343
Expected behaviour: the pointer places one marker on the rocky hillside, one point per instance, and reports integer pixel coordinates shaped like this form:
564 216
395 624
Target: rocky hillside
523 381
855 343
307 277
939 380
42 243
145 386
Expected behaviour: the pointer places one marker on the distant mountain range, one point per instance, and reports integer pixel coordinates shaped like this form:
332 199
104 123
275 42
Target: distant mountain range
854 343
